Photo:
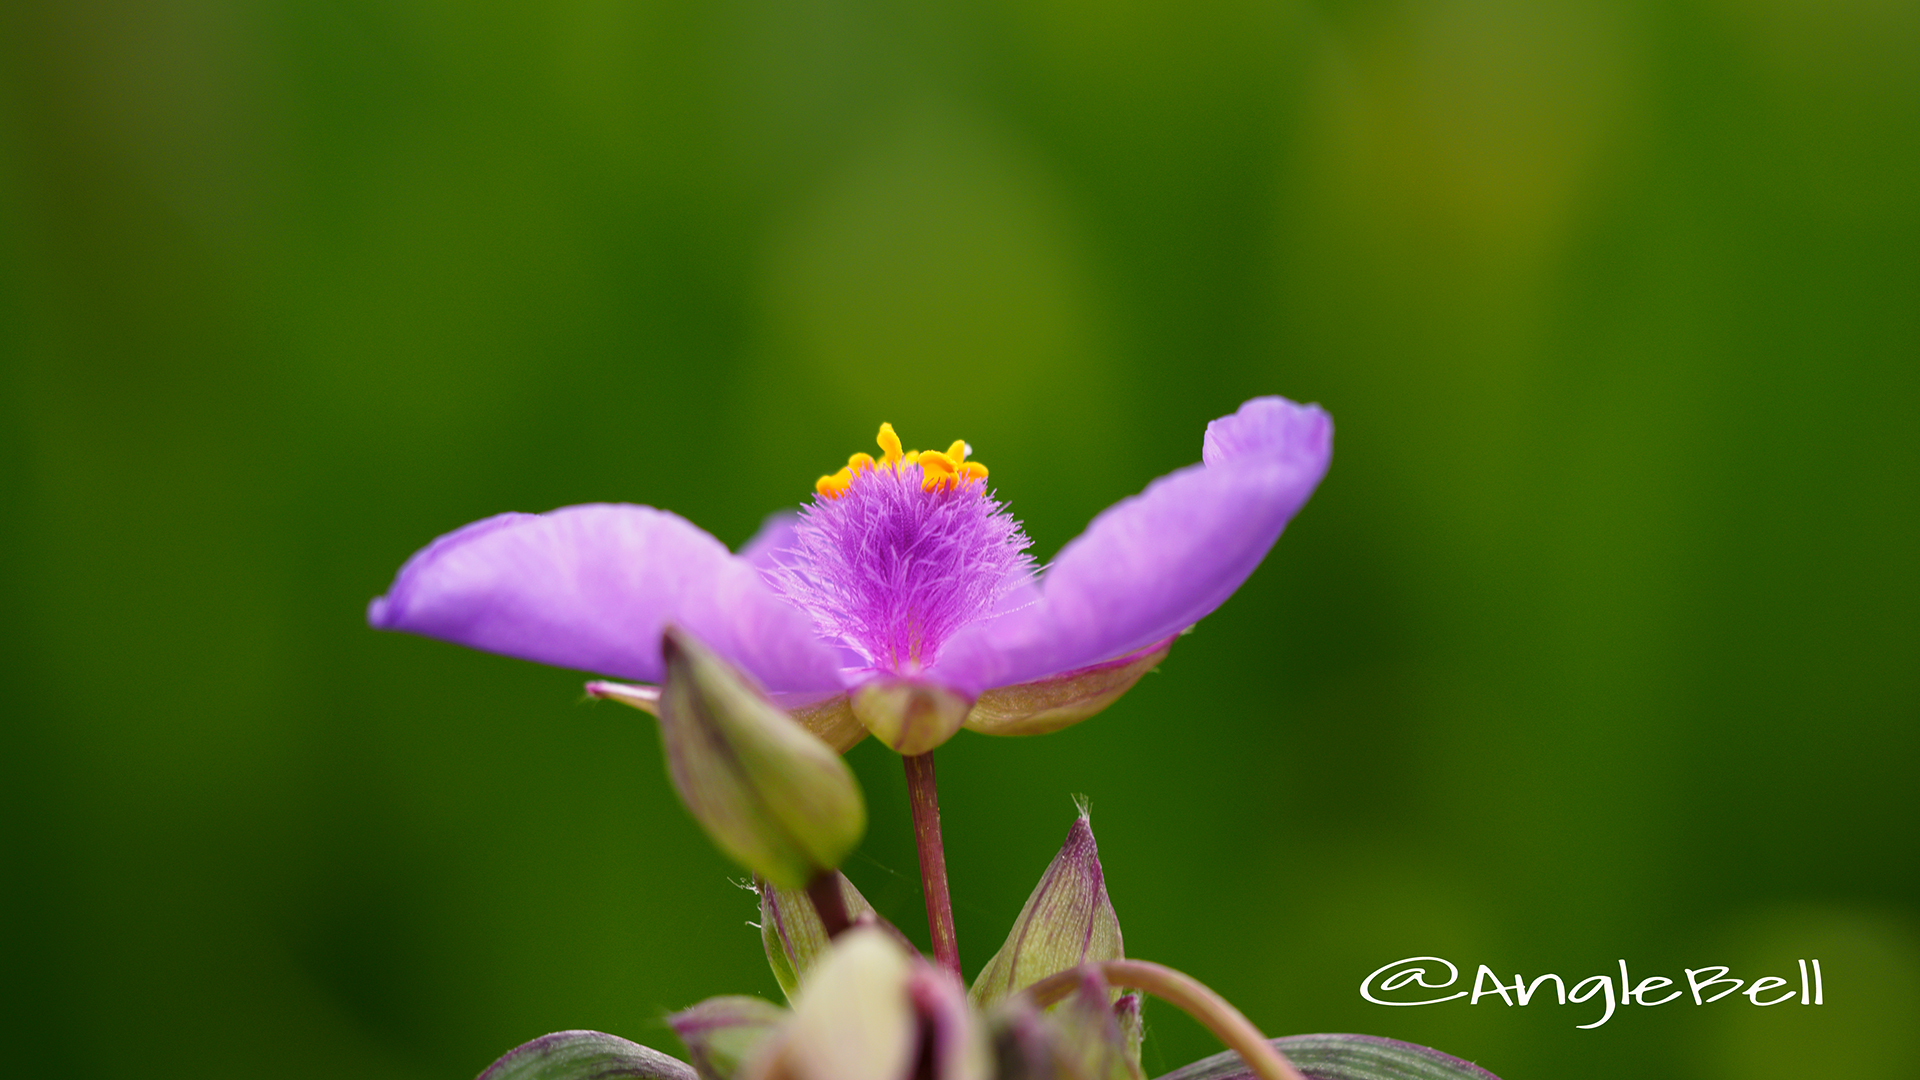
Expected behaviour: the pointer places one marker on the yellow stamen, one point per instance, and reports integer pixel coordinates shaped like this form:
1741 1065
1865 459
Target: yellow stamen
890 444
937 470
834 486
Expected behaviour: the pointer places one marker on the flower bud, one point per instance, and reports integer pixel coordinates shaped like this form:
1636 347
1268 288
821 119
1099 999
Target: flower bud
723 1032
771 795
1133 1030
1089 1039
910 717
856 1020
956 1040
1082 1037
793 934
1068 921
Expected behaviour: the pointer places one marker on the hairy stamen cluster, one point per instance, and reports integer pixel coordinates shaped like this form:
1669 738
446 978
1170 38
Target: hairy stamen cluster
896 554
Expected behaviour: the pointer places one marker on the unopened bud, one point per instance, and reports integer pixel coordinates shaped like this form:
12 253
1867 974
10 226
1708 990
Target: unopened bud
911 717
1068 921
1133 1030
1089 1039
856 1020
1082 1037
722 1033
771 795
955 1037
795 937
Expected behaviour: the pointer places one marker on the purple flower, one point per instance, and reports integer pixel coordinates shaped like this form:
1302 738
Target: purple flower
903 593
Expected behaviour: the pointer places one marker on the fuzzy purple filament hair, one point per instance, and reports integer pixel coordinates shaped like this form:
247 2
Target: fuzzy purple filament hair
890 567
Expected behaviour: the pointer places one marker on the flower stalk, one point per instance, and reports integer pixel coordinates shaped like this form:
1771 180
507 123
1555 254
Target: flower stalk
1190 996
925 803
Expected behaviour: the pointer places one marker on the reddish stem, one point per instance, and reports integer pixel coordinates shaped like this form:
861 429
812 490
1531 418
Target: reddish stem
925 802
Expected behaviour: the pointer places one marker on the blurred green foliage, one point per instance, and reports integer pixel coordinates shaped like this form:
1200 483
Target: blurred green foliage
1599 640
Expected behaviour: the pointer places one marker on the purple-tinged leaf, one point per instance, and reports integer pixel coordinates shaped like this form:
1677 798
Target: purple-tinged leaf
1344 1057
722 1033
586 1055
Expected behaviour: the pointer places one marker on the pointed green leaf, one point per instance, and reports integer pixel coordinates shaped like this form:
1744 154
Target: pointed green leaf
586 1055
1344 1057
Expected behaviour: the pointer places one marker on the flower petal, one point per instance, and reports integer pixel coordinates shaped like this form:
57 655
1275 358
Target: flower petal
1153 564
776 535
592 587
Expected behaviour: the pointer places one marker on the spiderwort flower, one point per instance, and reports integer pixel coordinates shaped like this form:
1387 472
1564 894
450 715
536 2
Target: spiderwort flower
902 597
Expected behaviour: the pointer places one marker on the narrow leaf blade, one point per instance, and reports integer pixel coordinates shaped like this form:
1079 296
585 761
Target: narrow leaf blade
585 1055
1344 1057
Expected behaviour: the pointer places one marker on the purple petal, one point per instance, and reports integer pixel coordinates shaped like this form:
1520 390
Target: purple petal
1151 565
1268 427
775 535
592 587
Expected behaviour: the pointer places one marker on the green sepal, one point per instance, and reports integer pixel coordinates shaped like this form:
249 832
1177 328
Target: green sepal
1067 921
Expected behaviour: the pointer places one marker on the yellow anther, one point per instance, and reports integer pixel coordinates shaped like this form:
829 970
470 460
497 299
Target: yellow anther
936 469
889 445
834 486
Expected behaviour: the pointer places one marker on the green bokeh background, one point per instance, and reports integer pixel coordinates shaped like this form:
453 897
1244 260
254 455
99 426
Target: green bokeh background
1599 641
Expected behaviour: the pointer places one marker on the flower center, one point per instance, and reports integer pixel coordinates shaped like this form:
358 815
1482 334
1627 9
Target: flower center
949 469
897 553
